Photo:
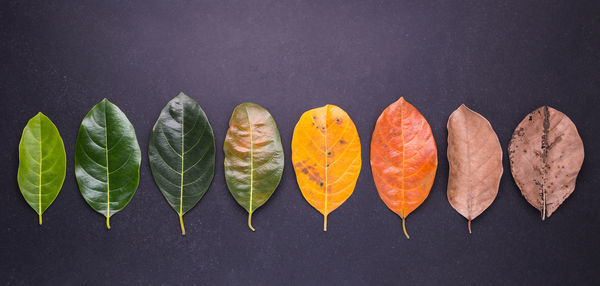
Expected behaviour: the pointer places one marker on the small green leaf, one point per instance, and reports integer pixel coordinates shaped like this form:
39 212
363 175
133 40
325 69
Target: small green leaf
42 163
182 154
107 159
253 157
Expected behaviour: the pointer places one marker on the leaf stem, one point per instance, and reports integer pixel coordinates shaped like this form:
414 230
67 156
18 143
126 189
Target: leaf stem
181 223
250 221
325 223
108 222
469 224
404 228
40 219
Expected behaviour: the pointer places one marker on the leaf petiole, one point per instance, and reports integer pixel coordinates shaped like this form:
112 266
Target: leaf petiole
404 228
181 223
250 221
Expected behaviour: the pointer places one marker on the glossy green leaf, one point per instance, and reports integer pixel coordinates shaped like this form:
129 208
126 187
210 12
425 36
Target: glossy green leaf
42 163
182 154
107 159
253 157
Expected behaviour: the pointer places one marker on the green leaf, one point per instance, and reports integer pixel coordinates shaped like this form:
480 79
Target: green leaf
253 157
107 159
42 163
182 154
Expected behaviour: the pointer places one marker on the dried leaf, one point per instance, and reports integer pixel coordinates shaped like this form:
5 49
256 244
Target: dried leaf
475 158
403 158
326 157
546 154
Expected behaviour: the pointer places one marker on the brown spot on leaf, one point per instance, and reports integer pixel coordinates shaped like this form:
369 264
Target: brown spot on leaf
309 171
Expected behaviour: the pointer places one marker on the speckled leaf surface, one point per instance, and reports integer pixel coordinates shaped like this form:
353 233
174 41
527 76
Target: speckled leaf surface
42 163
182 154
253 157
326 156
546 154
107 159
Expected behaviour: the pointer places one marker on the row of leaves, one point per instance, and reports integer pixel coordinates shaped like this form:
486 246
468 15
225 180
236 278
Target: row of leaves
546 154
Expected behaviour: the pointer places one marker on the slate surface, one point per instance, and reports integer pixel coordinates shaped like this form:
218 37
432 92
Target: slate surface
502 58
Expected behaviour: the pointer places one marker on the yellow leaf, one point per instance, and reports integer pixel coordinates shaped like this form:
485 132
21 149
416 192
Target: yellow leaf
326 157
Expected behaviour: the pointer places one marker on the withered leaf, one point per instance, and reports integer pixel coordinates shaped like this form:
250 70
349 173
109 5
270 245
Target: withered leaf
546 154
475 158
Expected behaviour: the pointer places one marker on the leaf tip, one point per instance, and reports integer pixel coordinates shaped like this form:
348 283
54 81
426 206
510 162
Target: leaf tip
39 116
181 94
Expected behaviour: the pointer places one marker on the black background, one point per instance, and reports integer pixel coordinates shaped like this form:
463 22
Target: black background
501 58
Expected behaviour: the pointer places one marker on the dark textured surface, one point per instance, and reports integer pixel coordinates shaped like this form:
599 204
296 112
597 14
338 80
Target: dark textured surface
502 59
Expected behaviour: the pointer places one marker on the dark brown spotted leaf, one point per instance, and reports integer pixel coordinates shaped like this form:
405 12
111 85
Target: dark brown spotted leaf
546 154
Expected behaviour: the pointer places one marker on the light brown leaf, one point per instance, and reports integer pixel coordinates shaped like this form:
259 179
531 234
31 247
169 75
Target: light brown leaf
546 154
475 158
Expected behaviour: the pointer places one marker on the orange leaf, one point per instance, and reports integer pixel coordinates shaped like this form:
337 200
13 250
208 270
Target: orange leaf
326 157
403 158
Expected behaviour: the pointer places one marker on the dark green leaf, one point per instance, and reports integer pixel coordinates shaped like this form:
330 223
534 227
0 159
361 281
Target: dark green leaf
42 163
182 154
107 159
253 157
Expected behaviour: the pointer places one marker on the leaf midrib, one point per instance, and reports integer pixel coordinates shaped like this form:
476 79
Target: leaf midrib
40 172
107 169
469 184
182 160
251 161
326 159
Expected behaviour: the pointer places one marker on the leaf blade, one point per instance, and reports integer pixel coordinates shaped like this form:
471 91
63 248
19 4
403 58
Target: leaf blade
107 159
42 161
546 154
475 158
254 153
182 155
326 157
402 141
